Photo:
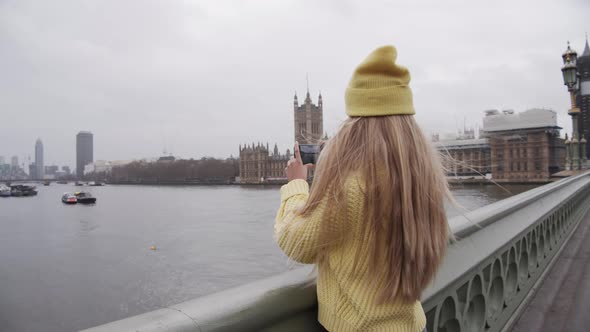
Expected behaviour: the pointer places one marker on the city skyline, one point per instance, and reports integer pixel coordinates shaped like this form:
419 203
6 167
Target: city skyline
196 79
455 133
36 159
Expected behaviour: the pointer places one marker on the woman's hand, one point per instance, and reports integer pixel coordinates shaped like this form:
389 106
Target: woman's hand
295 168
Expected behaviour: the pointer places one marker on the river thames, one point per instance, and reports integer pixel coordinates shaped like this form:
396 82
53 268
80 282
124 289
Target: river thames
70 267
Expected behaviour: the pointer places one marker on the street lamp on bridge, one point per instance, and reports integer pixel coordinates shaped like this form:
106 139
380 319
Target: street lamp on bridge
576 147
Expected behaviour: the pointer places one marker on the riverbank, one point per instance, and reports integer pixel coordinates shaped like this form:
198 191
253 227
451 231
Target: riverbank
452 182
204 184
477 181
173 183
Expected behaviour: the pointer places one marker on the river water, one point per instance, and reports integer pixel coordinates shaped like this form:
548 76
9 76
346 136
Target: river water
69 267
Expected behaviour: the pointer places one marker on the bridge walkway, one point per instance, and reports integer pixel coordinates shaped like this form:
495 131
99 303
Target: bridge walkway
562 300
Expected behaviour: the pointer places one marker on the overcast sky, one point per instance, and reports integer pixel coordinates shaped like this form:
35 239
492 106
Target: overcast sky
198 78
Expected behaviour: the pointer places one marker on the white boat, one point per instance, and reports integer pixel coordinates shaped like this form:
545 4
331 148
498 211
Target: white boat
4 191
68 198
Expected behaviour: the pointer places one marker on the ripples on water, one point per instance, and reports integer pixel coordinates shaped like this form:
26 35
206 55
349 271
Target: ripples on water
64 268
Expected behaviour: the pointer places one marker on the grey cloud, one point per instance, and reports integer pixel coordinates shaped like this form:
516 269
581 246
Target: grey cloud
201 77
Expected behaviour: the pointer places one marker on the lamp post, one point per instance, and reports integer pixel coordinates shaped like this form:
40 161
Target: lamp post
574 155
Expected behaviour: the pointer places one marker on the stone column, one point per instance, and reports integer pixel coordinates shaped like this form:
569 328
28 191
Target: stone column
568 159
575 145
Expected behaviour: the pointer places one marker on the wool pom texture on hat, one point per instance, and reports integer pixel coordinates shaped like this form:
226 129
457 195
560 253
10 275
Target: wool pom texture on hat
379 86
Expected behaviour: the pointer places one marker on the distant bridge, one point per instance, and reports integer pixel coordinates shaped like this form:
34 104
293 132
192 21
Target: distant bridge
29 181
507 272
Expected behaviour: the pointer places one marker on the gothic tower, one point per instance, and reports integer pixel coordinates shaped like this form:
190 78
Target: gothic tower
309 121
583 94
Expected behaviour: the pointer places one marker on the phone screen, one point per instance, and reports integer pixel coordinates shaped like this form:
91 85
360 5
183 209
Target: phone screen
309 153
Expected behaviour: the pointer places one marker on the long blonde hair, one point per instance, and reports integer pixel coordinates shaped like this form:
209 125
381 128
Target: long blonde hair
404 188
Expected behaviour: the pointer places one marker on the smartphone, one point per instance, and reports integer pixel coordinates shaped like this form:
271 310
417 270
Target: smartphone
309 153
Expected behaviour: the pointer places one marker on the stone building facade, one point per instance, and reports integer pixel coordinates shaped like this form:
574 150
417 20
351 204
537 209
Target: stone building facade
525 147
468 157
259 165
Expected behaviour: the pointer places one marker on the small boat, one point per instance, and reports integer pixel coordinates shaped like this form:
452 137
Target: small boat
23 190
85 198
95 184
78 183
46 183
29 190
62 182
4 191
68 198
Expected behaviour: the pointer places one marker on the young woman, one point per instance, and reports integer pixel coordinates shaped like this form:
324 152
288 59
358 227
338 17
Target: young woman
374 220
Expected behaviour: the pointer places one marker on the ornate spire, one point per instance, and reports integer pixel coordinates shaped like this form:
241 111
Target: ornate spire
307 97
586 48
569 54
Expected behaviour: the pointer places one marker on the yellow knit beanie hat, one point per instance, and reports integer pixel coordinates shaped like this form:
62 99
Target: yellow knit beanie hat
379 86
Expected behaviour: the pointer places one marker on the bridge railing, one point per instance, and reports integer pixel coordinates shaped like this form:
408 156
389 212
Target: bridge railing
503 250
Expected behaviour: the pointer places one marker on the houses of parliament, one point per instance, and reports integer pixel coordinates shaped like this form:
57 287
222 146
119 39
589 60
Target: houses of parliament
259 165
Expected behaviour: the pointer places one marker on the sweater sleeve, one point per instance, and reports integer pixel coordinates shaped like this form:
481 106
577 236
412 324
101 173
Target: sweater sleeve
297 236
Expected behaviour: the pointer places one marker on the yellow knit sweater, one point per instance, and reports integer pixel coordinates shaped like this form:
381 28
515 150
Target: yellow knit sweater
347 300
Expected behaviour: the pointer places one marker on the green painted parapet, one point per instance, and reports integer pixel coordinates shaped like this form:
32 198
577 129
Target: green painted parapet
503 250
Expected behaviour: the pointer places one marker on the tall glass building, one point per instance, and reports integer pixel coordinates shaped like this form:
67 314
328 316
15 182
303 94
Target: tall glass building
39 165
84 151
